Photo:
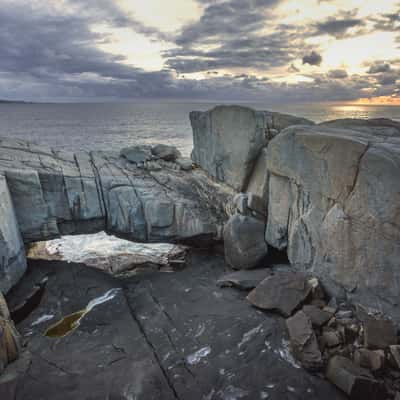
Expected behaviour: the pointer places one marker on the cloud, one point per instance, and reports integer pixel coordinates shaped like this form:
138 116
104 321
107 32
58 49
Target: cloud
337 74
49 50
378 67
313 58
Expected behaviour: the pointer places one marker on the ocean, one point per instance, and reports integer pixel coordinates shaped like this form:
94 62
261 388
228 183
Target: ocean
104 126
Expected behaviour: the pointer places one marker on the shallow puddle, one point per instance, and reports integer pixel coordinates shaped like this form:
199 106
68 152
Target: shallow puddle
70 322
66 325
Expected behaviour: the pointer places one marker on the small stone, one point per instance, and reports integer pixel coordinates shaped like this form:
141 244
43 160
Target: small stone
284 291
317 316
397 396
343 314
317 290
371 359
356 382
331 338
318 303
185 163
394 352
240 203
165 152
304 342
379 334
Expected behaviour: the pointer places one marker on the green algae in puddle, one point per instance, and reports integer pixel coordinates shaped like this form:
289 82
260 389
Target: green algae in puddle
70 322
66 325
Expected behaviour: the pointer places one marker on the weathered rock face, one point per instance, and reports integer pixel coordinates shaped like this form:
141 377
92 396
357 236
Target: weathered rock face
13 262
227 141
334 202
59 193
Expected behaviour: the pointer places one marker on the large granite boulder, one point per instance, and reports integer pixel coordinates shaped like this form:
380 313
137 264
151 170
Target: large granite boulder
334 202
245 246
227 141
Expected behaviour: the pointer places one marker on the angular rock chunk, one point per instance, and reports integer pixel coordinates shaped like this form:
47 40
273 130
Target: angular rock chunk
317 316
165 152
394 352
244 242
282 292
371 359
379 333
356 382
136 154
304 342
244 280
227 141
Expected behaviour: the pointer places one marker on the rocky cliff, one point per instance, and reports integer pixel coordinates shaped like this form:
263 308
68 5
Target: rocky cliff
332 194
46 193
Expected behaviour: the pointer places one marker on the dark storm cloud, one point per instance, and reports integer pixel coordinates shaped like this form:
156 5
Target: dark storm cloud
378 67
261 52
339 25
313 58
231 30
337 74
233 17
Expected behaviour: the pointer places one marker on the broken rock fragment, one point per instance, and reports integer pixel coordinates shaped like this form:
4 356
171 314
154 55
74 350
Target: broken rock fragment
358 383
317 316
371 359
283 291
379 333
304 342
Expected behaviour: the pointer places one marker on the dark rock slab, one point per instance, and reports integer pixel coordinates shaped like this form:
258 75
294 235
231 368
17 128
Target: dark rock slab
317 316
164 336
283 292
304 342
244 280
356 382
379 333
244 242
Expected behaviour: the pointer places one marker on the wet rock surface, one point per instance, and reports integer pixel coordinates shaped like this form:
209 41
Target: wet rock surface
163 336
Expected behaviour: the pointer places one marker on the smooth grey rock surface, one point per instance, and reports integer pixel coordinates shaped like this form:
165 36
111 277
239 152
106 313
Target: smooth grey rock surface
227 141
244 242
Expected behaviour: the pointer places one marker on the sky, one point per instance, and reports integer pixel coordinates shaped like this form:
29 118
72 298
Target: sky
226 50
